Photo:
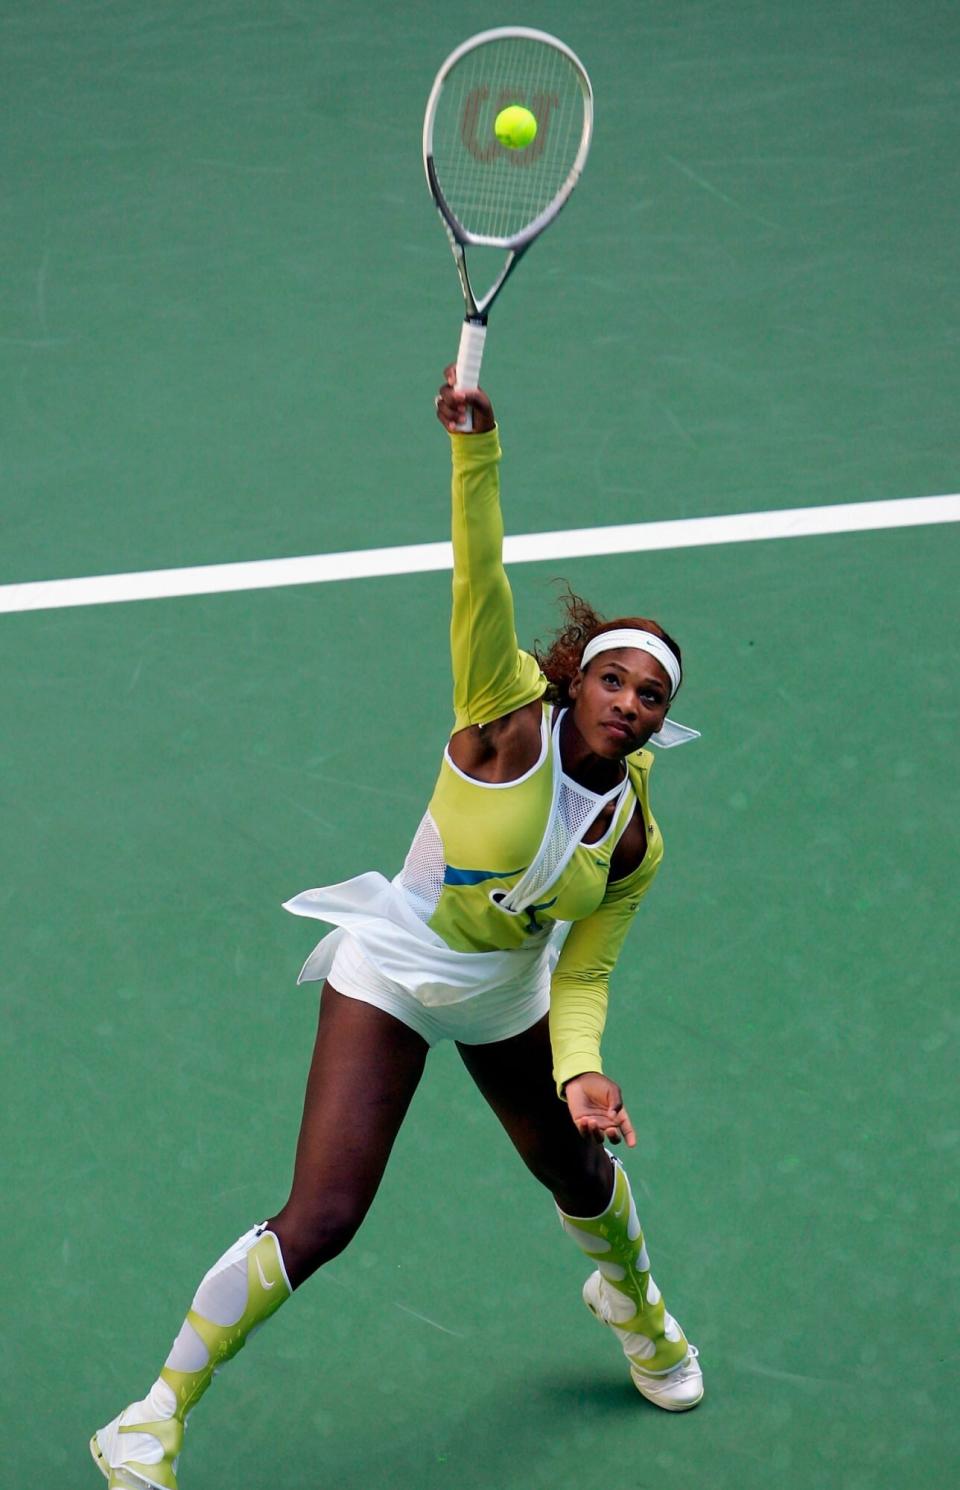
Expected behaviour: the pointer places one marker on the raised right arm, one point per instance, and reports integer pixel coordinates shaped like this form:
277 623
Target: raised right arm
491 675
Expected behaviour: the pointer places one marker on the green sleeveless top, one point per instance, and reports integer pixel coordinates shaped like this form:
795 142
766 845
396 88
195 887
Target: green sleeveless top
477 840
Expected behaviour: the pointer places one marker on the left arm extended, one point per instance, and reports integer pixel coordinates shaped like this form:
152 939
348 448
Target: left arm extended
578 993
578 997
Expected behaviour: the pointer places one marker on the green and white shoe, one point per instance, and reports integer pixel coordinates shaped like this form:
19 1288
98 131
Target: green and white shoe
679 1387
623 1295
139 1449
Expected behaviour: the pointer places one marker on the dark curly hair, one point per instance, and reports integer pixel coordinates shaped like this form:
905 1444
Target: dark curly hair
561 658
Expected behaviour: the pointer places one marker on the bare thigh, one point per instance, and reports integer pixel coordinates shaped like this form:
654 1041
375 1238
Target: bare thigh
516 1078
365 1069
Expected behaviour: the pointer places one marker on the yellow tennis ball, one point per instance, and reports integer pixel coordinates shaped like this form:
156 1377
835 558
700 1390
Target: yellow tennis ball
515 127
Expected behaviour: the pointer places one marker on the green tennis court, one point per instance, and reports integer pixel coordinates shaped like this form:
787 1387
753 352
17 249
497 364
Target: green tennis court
225 308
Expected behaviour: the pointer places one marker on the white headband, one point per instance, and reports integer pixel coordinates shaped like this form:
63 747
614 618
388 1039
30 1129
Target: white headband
645 641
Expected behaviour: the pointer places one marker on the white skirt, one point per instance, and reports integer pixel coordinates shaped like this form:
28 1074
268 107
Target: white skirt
494 1015
376 913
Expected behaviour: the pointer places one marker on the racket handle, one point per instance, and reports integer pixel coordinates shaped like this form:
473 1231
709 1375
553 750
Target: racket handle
469 359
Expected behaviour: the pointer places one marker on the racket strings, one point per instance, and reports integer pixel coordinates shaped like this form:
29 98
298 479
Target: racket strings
493 191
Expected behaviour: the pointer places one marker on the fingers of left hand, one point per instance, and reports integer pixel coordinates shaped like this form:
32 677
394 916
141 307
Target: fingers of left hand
626 1128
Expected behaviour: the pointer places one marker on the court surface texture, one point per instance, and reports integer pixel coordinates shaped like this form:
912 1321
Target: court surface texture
226 303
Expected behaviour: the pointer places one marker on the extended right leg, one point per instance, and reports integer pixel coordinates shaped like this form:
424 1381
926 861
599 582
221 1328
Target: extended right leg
364 1072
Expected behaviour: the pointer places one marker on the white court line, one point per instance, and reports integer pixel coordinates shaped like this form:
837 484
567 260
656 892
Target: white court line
522 548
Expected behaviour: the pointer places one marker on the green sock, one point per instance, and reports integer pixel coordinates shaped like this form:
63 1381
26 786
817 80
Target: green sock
241 1291
651 1338
236 1296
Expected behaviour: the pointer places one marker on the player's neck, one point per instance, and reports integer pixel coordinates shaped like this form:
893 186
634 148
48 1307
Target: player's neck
597 773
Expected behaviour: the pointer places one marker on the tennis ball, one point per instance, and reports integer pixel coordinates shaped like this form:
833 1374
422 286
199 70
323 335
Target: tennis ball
515 127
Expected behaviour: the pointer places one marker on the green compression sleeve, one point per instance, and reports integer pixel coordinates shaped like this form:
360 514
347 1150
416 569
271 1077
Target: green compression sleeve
491 676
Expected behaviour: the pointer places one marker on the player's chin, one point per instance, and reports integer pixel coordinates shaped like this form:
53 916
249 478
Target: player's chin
613 744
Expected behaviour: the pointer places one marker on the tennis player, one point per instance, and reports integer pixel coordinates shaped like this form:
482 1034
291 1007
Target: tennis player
500 932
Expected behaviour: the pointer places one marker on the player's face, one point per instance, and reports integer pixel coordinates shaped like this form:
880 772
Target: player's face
620 701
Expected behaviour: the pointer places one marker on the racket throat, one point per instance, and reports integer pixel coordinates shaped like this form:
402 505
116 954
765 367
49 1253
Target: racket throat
479 308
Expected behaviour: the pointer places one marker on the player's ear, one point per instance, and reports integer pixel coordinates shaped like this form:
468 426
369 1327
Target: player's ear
575 684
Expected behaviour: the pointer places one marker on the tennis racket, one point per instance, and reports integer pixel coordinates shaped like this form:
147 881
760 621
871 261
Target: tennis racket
486 192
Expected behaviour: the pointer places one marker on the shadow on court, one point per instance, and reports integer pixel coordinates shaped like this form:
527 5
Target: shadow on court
514 1435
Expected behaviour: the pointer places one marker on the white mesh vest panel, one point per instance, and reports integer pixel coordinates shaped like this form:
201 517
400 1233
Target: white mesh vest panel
424 868
572 811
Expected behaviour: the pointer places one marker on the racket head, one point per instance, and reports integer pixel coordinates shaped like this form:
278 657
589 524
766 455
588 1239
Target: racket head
487 193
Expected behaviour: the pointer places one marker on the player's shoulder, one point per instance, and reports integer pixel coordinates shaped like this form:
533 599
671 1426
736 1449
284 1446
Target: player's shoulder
640 763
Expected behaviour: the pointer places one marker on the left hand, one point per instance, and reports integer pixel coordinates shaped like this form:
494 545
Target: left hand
596 1106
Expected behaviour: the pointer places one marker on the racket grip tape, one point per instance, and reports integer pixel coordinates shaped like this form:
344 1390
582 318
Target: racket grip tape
469 360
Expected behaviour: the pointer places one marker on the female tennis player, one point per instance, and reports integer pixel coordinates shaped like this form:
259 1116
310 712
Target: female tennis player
500 933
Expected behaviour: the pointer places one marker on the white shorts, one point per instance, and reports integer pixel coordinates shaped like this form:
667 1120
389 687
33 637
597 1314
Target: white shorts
495 1014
